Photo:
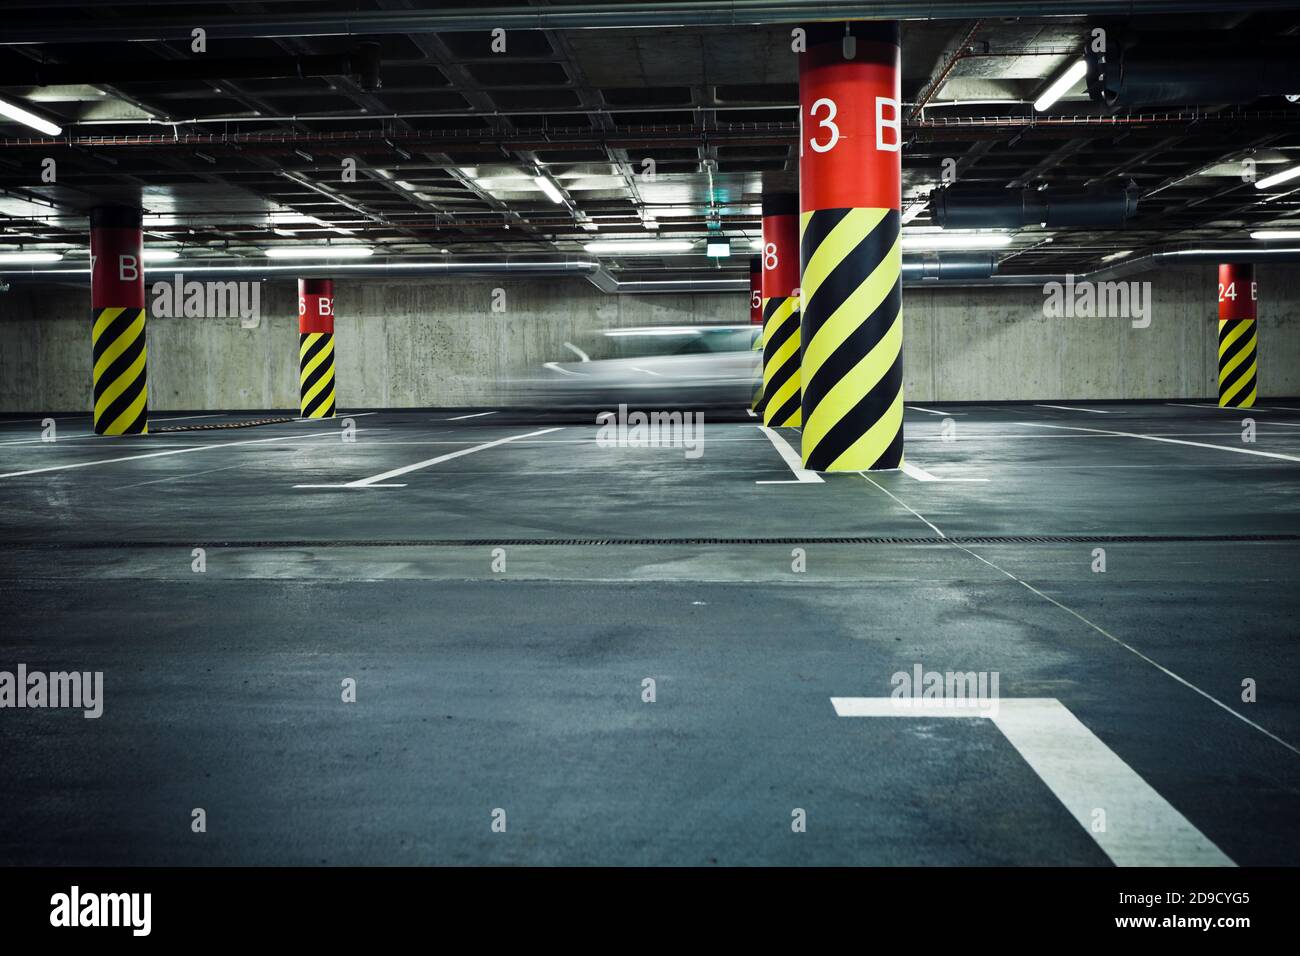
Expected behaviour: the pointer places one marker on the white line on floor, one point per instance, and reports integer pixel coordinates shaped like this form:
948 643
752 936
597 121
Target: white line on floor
1170 441
1141 827
1073 408
751 413
459 418
920 474
1226 408
162 454
193 474
933 411
183 418
791 459
378 481
338 417
1096 627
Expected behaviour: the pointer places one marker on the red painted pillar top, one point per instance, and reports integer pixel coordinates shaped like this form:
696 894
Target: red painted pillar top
780 258
1238 293
850 117
315 305
116 258
755 290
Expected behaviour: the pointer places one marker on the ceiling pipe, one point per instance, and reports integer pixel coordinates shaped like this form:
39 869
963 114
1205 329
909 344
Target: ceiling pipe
1167 70
586 16
957 207
362 64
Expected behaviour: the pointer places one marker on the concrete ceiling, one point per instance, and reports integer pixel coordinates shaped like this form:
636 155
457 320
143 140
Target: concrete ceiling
446 149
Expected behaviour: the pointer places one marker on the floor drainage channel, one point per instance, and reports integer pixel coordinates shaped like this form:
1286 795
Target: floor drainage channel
652 542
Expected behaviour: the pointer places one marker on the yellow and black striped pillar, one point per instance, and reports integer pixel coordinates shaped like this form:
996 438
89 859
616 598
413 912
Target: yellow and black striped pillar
1238 338
756 321
780 262
316 348
119 381
850 247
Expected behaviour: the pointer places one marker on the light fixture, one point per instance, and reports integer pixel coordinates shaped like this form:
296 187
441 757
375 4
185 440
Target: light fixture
160 255
914 210
545 185
1282 177
1276 234
18 114
1061 85
718 249
1117 255
932 242
318 252
650 247
16 258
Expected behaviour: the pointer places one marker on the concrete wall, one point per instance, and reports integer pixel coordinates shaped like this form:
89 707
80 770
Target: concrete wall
413 343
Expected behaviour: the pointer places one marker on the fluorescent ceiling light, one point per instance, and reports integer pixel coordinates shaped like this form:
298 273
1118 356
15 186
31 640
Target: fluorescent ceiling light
1276 234
319 252
718 250
545 185
1117 255
21 115
1282 177
1077 71
914 210
970 240
160 255
639 246
14 258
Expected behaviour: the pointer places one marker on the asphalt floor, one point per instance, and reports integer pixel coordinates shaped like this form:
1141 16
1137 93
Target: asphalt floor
500 585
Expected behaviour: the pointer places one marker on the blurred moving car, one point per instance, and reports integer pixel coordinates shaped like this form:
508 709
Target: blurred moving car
653 366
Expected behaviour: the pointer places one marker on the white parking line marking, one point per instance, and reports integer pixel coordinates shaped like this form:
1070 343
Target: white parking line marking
339 416
1096 627
920 474
1223 408
162 454
791 459
751 413
933 411
379 481
183 418
459 418
1170 441
1073 408
1141 827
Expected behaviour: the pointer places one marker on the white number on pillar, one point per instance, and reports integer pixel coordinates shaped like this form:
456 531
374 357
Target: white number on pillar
883 123
755 300
302 306
769 256
1230 292
828 123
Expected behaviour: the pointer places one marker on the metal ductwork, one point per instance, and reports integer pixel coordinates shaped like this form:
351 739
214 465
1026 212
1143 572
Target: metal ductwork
362 64
934 267
586 16
1174 69
956 207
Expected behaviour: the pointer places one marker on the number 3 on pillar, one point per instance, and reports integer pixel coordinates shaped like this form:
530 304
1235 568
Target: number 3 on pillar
887 122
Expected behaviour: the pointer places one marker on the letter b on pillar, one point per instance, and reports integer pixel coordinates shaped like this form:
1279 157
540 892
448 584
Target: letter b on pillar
316 348
849 232
119 381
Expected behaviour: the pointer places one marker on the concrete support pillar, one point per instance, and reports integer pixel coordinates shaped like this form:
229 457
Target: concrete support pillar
1238 337
120 383
850 242
780 261
756 319
316 348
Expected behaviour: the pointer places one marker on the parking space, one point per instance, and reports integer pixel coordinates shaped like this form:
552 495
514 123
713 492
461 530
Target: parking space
501 586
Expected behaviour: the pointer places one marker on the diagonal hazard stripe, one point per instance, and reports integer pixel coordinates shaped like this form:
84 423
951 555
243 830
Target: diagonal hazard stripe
869 296
310 343
838 243
1244 354
119 385
844 395
131 420
112 350
881 446
1243 384
313 405
320 356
